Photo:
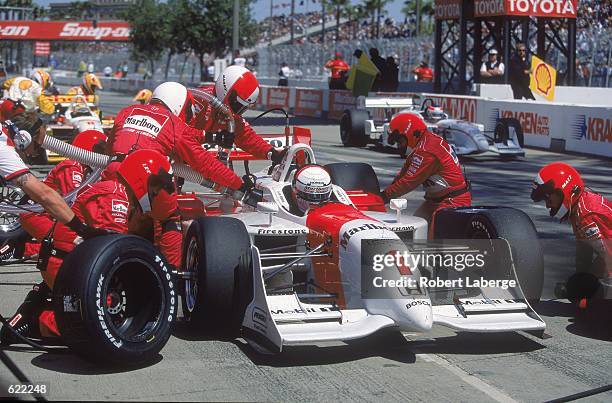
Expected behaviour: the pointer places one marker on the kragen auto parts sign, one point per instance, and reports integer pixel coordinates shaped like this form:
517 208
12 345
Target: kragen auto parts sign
64 31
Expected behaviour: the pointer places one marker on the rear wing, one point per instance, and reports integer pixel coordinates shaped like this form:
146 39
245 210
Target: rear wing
66 100
385 103
295 135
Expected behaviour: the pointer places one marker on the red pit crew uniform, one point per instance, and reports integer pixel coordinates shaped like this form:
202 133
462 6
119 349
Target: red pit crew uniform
434 164
592 221
64 178
103 205
245 137
154 127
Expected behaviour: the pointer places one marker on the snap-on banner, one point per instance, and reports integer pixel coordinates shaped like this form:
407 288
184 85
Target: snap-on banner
308 102
64 31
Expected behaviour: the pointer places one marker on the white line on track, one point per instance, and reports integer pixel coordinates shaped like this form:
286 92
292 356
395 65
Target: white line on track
470 379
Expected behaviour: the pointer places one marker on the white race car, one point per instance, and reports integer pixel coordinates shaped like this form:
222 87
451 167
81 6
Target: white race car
369 124
289 279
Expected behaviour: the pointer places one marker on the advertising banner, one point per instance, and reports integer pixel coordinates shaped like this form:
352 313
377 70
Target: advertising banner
448 9
42 48
278 97
64 31
339 101
589 130
308 102
525 8
543 79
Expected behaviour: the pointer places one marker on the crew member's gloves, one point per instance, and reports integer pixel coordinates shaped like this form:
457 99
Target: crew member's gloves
85 231
252 196
224 139
276 155
385 197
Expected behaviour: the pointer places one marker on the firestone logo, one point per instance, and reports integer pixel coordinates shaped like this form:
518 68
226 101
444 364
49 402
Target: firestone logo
592 129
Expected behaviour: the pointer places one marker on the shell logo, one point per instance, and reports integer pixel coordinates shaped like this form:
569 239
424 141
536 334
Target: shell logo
543 78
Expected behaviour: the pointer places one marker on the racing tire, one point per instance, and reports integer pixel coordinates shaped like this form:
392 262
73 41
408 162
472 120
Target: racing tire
354 176
115 300
12 243
502 130
352 128
217 254
499 222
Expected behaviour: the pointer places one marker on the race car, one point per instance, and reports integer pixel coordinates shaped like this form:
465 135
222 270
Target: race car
279 279
74 114
369 124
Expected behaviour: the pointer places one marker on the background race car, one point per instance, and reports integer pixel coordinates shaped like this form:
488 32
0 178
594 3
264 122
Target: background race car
369 124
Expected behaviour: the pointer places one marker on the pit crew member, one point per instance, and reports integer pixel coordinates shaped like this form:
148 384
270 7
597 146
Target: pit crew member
143 96
63 178
339 69
311 187
161 126
237 88
23 94
142 186
432 163
91 82
590 214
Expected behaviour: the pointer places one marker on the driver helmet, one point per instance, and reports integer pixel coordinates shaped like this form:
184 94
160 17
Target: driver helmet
176 98
434 114
91 82
238 88
311 186
409 125
42 77
148 175
559 178
91 140
143 96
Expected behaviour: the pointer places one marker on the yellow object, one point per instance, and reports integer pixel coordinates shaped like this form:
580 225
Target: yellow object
45 105
362 75
7 84
543 78
143 96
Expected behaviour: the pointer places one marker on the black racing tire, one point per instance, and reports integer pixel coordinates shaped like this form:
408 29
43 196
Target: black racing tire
115 300
354 176
352 128
12 242
502 130
499 222
217 254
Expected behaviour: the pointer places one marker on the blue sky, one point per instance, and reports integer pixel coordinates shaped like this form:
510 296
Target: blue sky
261 8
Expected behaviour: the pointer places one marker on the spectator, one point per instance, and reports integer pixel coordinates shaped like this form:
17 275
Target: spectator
379 62
108 71
90 67
124 70
424 74
2 69
239 60
339 69
390 75
284 74
492 71
520 72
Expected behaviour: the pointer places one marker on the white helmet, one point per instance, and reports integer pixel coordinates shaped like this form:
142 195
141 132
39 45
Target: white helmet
176 98
238 88
434 114
42 77
311 186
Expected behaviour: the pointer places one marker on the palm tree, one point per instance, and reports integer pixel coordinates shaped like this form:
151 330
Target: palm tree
419 8
338 4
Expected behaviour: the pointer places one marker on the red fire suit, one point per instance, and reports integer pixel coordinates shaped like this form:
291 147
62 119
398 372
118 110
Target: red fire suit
64 178
8 109
245 137
592 221
154 127
338 68
104 205
434 164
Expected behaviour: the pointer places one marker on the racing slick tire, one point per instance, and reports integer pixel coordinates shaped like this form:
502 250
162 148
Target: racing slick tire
499 222
217 256
354 176
352 128
502 130
115 300
12 241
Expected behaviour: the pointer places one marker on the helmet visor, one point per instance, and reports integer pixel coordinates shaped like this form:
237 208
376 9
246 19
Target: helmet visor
237 104
312 197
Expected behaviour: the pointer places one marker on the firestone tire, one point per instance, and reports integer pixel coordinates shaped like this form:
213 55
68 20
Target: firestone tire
502 130
352 128
218 254
499 222
115 300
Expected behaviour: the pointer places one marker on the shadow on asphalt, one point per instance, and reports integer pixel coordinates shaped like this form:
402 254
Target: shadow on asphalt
390 345
480 344
555 308
594 323
276 120
68 363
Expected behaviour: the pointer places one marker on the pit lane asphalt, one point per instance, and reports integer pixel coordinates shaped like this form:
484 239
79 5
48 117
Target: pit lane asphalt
439 366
